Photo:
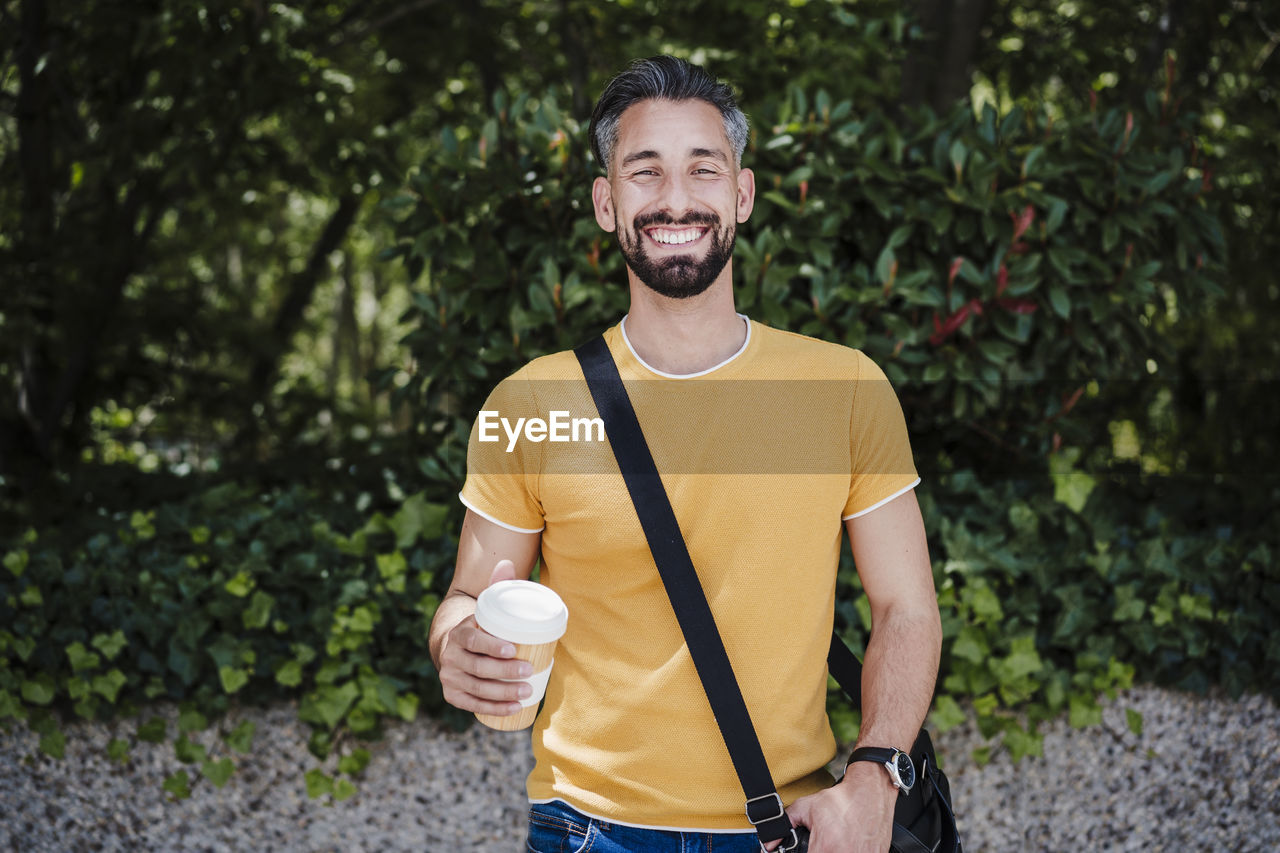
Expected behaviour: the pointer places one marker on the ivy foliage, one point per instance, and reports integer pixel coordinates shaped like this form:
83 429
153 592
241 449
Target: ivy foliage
229 596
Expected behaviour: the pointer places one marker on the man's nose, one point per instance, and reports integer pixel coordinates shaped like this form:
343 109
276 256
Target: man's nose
677 196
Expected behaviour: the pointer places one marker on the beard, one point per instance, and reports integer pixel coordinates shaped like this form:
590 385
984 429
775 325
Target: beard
682 276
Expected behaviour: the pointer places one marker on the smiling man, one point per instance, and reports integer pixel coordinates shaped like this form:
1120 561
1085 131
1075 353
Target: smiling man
772 446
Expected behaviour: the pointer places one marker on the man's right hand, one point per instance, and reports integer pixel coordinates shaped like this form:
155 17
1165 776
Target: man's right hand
473 664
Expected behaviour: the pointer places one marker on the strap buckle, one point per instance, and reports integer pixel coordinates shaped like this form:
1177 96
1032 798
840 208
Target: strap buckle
776 798
789 844
786 846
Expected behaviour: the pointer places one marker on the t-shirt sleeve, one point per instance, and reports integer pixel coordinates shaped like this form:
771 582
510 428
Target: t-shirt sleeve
880 450
503 473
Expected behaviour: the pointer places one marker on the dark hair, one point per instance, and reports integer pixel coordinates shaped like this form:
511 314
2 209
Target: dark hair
663 78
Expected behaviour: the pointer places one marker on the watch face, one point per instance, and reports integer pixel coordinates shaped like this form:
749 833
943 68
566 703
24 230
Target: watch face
906 770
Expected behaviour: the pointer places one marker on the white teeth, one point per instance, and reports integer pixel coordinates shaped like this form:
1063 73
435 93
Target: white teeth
675 238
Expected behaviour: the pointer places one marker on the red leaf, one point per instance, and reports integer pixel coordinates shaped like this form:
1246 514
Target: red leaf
1017 306
955 270
1002 279
943 330
1022 221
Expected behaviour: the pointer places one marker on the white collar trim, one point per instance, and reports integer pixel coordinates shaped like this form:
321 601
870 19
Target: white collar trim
647 366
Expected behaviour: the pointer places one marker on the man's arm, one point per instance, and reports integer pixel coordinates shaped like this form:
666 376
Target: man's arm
898 676
469 660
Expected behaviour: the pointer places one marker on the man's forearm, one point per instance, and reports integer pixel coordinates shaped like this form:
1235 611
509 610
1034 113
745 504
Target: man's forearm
898 676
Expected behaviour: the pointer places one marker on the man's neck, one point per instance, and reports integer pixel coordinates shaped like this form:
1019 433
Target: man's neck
683 336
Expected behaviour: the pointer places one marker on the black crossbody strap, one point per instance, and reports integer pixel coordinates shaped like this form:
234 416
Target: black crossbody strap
764 806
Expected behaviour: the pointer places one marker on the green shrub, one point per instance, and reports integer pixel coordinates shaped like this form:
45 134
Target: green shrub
227 596
1011 275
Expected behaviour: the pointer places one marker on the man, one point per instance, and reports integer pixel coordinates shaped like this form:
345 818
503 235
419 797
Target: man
628 756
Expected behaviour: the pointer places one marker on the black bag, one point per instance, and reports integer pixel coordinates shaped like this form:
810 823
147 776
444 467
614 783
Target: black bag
923 819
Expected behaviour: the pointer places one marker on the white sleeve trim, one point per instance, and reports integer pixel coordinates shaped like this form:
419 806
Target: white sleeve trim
496 521
879 504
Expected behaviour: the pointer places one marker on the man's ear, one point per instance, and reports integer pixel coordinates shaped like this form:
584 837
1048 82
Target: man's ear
602 201
746 193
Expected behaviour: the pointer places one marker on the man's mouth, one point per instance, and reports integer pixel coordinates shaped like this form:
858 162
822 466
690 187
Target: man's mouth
675 236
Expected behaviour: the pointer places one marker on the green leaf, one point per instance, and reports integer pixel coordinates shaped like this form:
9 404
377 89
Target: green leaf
318 783
1022 743
1084 711
31 597
39 690
110 645
958 154
217 772
154 730
232 678
240 585
900 235
391 566
354 762
1134 720
179 785
241 737
80 658
984 601
971 646
16 562
258 613
1060 301
885 265
24 646
188 751
118 750
54 744
407 706
1029 163
845 722
289 674
10 706
947 713
1110 235
1057 213
108 685
1022 660
191 720
327 705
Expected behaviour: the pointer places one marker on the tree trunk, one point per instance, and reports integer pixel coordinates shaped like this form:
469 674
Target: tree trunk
266 364
938 69
34 252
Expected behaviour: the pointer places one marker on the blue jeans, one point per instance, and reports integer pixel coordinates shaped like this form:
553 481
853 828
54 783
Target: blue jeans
557 828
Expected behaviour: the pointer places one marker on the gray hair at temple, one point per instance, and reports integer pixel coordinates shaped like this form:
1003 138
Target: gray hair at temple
662 78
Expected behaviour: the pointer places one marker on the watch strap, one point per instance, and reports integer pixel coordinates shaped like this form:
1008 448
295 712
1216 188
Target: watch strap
878 754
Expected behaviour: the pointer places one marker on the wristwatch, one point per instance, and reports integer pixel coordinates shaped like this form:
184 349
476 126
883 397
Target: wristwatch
901 771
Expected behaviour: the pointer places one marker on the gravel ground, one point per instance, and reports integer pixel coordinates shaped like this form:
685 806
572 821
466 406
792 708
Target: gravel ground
1203 775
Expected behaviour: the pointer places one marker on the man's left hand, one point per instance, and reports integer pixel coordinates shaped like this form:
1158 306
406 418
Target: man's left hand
854 816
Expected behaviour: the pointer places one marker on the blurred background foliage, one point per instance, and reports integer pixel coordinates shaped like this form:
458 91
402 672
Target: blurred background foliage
261 263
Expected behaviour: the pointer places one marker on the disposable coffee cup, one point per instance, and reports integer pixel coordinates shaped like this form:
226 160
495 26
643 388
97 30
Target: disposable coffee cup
533 618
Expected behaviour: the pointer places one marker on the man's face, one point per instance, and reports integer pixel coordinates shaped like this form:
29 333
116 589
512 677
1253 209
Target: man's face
675 196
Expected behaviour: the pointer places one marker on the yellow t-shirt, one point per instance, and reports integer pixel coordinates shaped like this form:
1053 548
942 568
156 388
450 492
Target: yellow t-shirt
762 458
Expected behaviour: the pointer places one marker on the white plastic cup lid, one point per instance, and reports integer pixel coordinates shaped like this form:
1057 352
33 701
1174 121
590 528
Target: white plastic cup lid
522 612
